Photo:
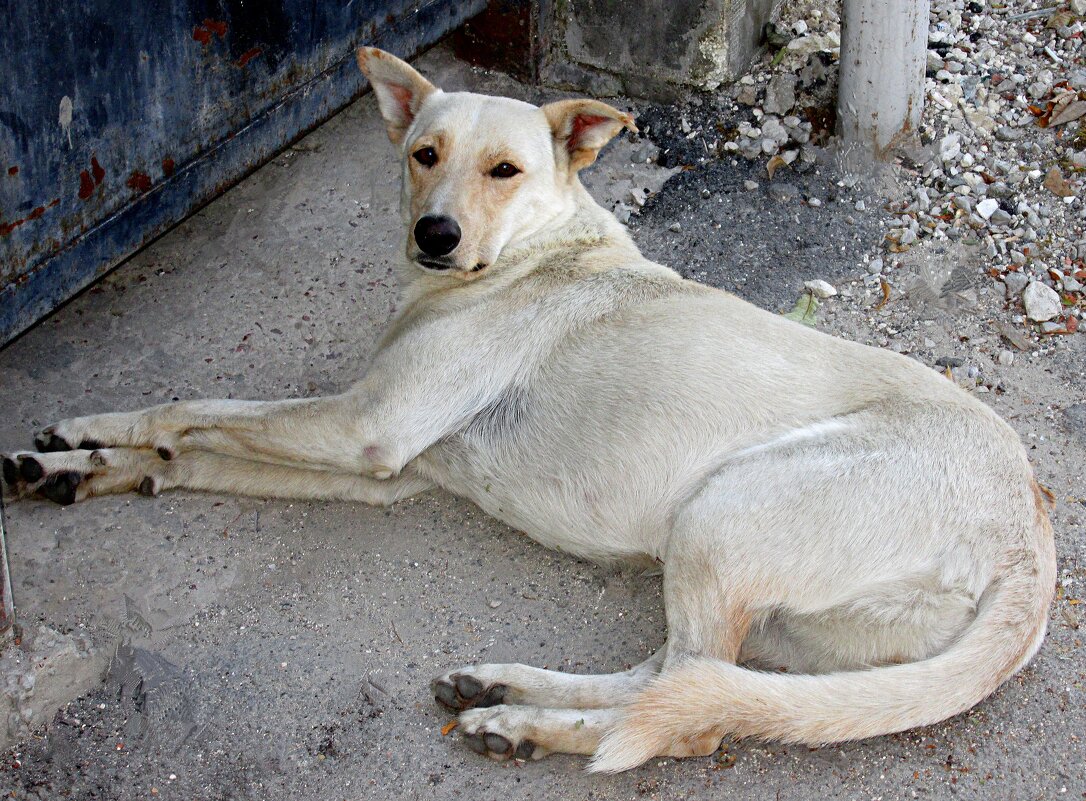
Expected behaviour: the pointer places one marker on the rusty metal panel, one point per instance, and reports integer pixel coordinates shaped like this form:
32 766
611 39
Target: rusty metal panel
120 117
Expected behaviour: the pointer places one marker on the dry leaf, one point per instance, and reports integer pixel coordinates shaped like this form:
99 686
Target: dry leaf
1069 617
1069 112
885 287
775 164
1057 184
1013 336
1061 19
448 727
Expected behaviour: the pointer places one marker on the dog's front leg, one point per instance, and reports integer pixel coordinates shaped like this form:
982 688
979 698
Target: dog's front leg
419 390
321 433
70 476
375 429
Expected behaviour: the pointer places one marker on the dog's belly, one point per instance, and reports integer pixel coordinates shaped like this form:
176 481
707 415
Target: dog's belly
559 506
598 451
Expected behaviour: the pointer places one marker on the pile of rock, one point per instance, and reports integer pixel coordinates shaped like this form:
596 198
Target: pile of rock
1003 142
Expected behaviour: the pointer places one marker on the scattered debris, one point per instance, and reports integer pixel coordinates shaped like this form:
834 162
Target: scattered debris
820 289
1041 301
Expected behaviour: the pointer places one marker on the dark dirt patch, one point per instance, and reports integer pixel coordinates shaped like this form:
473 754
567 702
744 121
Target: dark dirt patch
760 243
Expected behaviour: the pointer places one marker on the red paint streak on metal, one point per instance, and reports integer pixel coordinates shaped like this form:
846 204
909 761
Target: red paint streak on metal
202 33
248 56
140 181
86 185
97 171
13 170
7 228
167 166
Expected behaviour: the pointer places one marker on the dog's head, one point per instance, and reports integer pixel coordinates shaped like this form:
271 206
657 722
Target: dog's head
481 173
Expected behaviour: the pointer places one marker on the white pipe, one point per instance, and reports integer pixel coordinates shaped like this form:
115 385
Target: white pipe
881 87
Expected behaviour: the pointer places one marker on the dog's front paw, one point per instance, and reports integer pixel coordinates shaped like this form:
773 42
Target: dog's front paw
26 474
98 431
499 732
462 690
54 440
65 477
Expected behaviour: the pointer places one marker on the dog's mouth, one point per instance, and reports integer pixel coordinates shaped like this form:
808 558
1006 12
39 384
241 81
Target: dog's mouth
431 263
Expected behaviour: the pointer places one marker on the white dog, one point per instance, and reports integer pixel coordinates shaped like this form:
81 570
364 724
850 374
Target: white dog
850 544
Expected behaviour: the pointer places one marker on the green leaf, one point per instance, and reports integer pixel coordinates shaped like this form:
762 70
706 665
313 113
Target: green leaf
805 311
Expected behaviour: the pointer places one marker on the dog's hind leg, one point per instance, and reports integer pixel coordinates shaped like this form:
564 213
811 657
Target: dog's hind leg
528 732
522 685
69 476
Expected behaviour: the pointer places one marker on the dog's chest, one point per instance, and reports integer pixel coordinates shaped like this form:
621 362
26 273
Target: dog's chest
506 463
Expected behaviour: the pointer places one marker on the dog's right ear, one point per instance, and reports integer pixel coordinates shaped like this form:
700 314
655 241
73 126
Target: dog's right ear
399 88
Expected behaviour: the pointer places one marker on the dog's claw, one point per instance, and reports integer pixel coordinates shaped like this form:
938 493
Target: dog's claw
61 487
31 470
496 744
476 743
12 473
446 695
494 696
468 687
49 442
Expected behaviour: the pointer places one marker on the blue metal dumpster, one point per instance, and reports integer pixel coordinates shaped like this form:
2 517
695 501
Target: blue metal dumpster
120 117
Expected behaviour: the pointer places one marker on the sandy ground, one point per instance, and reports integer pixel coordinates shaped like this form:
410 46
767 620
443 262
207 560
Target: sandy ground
272 650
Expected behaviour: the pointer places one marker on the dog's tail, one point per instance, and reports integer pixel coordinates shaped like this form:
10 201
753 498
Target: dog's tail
704 696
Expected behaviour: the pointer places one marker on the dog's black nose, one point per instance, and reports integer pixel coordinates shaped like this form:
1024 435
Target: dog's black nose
437 235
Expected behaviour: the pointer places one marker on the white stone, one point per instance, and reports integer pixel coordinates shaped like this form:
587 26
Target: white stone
820 289
950 146
1006 358
1041 302
987 207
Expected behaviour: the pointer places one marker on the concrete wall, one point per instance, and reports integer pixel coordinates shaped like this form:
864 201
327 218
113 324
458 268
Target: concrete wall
653 48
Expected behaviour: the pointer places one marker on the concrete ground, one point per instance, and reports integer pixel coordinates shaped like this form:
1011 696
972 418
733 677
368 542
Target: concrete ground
270 650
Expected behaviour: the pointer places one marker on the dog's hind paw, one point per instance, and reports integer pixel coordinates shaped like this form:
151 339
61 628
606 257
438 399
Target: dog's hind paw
496 732
461 690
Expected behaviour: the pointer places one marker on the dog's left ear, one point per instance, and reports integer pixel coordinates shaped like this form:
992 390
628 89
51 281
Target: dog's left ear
582 127
399 88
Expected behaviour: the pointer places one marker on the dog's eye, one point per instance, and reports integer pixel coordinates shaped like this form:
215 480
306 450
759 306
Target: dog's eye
426 156
504 170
